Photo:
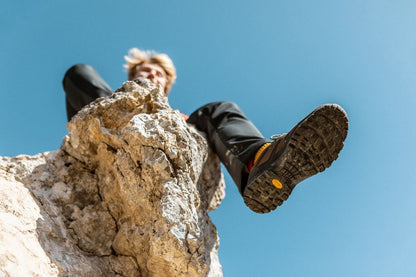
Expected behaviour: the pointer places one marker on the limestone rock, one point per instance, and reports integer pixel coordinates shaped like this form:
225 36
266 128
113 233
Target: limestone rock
127 194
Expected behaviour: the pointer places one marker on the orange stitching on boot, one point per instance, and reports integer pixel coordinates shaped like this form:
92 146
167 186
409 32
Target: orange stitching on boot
260 151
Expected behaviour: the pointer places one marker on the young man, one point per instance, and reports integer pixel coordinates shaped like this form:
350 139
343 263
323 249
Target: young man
264 171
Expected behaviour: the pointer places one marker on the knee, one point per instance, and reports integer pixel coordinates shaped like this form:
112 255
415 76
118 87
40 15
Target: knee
213 112
221 104
228 105
76 70
224 106
217 109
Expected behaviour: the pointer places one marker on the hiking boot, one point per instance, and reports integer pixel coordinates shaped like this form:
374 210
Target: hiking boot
309 148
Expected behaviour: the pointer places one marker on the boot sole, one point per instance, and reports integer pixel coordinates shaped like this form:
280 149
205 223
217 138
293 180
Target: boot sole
309 148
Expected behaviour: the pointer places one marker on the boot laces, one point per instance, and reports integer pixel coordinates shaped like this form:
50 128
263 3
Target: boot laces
276 136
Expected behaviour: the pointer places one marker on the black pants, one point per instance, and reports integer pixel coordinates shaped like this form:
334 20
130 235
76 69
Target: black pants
230 134
82 85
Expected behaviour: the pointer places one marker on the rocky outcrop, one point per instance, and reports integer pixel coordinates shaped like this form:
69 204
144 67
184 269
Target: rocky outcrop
127 194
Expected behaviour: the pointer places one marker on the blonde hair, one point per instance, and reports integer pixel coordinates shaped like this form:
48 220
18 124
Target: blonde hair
136 57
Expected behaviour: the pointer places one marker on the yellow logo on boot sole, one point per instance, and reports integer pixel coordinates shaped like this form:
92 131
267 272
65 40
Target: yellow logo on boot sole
277 183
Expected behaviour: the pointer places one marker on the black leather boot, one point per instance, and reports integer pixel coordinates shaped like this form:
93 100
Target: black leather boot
309 148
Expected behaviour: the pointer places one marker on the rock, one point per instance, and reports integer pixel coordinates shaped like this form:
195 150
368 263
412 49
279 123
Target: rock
127 194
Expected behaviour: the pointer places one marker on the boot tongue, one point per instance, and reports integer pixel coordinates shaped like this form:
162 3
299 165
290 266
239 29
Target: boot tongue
254 160
259 152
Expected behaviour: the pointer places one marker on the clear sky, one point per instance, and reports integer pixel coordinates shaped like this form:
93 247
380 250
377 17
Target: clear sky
277 60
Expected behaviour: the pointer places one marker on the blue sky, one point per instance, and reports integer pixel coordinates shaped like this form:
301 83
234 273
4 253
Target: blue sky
277 60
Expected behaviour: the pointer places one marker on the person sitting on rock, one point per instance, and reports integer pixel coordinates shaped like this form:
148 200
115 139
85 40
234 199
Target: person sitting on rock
265 171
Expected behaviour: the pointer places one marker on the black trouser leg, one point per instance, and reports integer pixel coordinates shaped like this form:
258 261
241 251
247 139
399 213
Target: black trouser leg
82 85
231 135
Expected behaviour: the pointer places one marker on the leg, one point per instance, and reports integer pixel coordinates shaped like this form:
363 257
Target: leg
309 148
231 135
82 85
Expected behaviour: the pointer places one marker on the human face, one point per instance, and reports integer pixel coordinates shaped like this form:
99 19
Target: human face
153 72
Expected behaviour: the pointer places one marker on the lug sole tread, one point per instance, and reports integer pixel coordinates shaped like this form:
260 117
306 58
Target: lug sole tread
312 148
